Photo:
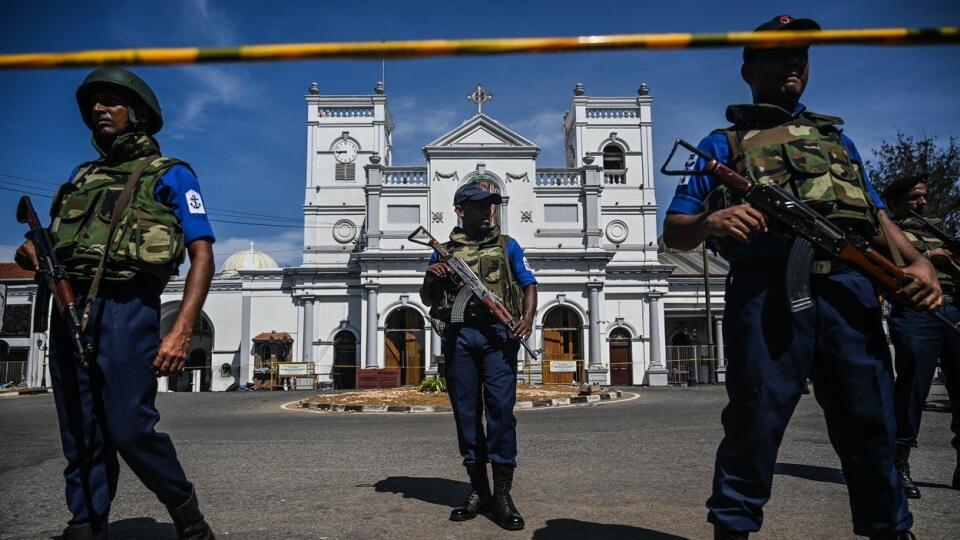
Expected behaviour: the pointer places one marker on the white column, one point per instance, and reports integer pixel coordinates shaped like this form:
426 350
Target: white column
308 306
721 359
436 350
370 350
243 367
195 376
657 373
596 373
163 384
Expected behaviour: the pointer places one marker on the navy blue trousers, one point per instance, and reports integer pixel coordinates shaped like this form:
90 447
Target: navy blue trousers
840 342
481 370
109 410
920 343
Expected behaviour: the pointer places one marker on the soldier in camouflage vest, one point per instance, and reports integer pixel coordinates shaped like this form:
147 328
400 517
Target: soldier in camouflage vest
479 352
771 351
120 226
920 343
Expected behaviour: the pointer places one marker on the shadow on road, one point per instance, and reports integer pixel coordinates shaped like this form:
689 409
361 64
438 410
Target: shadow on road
141 529
559 529
442 491
811 472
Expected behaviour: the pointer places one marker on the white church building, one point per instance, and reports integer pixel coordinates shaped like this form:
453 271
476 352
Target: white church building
612 305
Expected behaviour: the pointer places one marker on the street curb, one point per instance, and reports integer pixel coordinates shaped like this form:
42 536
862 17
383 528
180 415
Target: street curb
414 409
35 392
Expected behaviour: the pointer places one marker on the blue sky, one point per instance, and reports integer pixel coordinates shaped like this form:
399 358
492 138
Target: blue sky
242 128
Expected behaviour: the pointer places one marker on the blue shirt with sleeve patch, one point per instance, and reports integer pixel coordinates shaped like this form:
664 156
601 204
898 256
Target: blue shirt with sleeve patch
518 263
692 191
179 189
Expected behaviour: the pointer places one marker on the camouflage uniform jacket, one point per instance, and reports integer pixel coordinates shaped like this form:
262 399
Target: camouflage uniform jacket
948 271
487 258
802 153
148 239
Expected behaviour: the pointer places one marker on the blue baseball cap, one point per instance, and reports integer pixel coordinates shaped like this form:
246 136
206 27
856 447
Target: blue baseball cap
780 22
475 191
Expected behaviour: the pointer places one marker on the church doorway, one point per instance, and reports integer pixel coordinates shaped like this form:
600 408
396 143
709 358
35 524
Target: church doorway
562 346
621 357
344 360
197 374
404 339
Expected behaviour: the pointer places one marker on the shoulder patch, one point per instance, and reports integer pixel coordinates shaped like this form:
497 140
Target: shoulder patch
194 202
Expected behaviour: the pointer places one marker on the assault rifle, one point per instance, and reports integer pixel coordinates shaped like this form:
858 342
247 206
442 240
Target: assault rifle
53 279
809 229
950 242
470 286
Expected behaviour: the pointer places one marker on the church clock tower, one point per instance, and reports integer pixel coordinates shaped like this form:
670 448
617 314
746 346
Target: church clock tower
343 132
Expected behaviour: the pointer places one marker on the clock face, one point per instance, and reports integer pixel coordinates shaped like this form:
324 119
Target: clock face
345 151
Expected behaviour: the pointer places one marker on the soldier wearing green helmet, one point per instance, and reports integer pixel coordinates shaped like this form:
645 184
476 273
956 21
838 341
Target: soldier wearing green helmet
121 226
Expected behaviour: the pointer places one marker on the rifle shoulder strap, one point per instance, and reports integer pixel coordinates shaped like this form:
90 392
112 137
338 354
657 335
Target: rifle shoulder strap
118 209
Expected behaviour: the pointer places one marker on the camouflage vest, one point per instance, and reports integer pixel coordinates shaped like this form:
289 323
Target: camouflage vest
488 259
148 239
802 153
948 272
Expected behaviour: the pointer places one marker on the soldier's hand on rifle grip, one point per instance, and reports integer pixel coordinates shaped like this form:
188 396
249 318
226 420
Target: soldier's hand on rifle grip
26 257
923 291
522 329
440 270
741 222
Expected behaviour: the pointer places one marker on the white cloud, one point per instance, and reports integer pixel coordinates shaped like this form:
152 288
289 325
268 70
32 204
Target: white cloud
544 127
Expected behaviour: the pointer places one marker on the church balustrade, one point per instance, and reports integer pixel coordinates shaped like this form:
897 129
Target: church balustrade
613 113
346 112
559 177
615 177
405 176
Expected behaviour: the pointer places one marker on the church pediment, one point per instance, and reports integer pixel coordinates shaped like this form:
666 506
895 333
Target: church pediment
481 133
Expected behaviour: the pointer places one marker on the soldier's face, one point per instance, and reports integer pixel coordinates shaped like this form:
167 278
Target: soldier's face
476 214
916 199
109 113
777 75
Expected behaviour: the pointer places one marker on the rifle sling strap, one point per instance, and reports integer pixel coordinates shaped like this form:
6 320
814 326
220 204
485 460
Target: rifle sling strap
118 209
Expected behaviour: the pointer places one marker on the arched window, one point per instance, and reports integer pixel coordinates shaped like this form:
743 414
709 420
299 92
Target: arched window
404 344
613 158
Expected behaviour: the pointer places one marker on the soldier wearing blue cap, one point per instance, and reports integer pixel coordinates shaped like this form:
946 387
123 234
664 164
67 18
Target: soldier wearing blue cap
481 353
839 339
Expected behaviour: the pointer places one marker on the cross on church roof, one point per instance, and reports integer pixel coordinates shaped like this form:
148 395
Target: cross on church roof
479 96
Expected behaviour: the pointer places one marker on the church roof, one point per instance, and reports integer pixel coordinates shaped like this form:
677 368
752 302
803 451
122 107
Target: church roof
481 134
13 272
250 259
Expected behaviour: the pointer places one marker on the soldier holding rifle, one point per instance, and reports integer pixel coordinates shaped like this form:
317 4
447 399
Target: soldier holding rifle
120 228
480 350
919 342
834 334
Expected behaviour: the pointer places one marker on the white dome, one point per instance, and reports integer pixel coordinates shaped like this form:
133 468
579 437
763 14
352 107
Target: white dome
250 259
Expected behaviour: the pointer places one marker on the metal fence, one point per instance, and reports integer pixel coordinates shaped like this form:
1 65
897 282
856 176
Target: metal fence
691 364
14 371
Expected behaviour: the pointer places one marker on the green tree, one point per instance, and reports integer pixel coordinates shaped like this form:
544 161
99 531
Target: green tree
909 155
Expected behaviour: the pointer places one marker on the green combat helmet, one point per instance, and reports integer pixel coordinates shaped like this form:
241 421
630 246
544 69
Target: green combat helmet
119 78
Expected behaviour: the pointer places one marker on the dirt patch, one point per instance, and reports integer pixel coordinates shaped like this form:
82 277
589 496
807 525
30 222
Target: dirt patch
408 396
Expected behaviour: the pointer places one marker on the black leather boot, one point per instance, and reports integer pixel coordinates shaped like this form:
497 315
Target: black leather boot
723 533
507 514
479 498
903 467
96 530
189 521
956 473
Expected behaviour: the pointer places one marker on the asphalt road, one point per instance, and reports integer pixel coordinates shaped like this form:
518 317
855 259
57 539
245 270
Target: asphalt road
629 469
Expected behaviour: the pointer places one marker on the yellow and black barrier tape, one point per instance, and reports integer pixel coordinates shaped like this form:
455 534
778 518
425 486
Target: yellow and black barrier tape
445 47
